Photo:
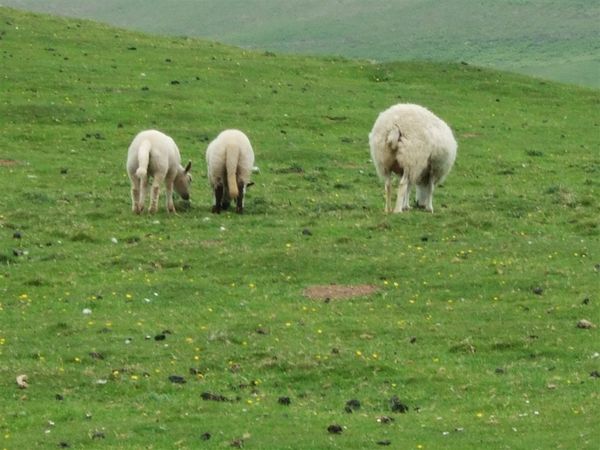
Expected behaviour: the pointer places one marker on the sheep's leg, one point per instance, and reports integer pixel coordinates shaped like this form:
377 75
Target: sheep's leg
158 179
388 194
135 195
406 199
425 196
169 193
218 199
402 198
240 199
143 187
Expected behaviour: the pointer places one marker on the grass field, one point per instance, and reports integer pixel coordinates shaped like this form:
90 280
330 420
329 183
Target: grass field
473 326
551 39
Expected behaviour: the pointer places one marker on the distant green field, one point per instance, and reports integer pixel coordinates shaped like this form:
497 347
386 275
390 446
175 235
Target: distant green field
552 39
197 331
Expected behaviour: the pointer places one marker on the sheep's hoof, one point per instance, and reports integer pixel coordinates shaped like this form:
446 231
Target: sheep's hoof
216 210
239 210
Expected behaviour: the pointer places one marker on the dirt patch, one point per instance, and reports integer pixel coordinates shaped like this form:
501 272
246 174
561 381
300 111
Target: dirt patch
338 292
8 162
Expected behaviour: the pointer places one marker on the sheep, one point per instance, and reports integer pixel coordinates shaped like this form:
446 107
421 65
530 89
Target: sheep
416 145
230 160
154 154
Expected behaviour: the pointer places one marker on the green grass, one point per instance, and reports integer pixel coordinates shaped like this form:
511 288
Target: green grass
550 39
456 330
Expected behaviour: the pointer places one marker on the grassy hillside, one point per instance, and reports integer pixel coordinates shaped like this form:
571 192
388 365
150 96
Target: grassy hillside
473 325
552 39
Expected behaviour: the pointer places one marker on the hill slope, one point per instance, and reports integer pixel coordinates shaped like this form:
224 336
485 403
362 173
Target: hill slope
551 39
196 331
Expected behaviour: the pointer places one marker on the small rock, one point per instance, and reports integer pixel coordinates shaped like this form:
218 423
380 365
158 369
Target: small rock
499 370
352 405
59 397
205 436
335 429
98 435
307 232
213 397
538 290
384 442
17 235
397 406
595 374
585 324
160 337
177 379
586 301
413 340
284 401
385 419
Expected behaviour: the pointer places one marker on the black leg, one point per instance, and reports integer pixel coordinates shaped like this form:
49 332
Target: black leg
240 200
218 199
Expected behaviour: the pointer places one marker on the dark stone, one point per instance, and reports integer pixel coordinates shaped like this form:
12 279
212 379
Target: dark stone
352 405
284 401
595 374
17 235
335 429
177 379
397 406
97 355
160 337
384 442
213 397
59 397
538 290
205 436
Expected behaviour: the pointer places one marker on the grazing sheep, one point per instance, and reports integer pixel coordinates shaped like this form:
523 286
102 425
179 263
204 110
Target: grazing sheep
154 154
230 160
416 145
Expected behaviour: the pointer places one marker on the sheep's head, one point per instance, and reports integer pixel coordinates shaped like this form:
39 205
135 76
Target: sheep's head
182 182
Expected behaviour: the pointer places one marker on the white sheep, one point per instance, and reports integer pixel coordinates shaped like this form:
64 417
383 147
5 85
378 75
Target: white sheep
230 161
154 154
416 145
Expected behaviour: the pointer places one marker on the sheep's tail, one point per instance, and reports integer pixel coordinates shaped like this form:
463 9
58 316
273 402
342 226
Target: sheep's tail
231 164
143 159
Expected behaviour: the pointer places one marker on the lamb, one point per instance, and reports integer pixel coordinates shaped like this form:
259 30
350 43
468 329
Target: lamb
416 145
154 154
230 160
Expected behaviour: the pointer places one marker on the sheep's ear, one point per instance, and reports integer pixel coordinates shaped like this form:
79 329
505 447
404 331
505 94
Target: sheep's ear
188 167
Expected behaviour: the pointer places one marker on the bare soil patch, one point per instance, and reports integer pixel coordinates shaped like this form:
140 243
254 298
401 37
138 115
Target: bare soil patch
338 291
8 162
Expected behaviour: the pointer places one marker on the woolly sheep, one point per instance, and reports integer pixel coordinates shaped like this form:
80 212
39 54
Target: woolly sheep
416 145
154 154
230 161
